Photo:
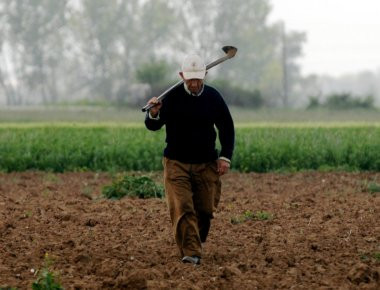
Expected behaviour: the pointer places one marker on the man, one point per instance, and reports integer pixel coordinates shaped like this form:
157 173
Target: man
192 167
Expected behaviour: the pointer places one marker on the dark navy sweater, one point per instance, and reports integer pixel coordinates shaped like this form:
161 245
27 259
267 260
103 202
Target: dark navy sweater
190 120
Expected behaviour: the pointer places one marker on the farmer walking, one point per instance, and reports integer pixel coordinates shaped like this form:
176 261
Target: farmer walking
192 165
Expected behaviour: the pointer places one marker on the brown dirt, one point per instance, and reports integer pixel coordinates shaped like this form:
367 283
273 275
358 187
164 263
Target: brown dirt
324 233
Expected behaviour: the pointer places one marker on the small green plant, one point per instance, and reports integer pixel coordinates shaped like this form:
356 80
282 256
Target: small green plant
249 215
28 214
142 187
237 220
46 193
368 256
263 215
87 191
51 178
373 187
47 280
7 288
364 257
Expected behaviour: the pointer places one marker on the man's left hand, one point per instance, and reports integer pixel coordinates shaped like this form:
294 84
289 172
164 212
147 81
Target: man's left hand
223 167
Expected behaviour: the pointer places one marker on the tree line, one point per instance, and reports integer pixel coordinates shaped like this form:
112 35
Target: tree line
119 51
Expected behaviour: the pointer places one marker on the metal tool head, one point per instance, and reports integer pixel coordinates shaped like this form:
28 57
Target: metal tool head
229 50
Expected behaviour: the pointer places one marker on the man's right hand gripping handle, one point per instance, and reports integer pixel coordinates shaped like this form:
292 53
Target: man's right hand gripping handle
156 108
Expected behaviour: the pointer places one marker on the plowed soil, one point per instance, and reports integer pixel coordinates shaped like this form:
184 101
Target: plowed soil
323 232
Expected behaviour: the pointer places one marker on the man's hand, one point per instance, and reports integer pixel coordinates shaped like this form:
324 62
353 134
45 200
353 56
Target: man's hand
223 167
154 110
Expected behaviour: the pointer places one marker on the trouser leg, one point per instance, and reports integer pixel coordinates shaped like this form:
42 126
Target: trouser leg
187 237
207 191
179 196
204 223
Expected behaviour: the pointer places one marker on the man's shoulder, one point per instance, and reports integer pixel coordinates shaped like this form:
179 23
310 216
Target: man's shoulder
212 90
213 93
173 94
178 90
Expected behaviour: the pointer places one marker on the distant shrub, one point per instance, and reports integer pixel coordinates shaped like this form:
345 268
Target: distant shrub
156 74
313 103
347 101
141 187
237 96
153 72
342 101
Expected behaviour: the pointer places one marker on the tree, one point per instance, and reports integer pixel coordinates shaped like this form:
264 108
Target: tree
97 32
95 49
154 73
291 50
207 26
32 31
116 37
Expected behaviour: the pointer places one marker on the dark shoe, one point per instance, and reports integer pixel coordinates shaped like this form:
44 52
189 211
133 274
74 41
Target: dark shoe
192 259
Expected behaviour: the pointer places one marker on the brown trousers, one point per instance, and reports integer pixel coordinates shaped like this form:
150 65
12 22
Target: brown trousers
192 193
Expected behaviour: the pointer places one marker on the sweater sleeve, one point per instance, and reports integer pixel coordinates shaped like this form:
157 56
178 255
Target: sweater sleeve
153 124
225 126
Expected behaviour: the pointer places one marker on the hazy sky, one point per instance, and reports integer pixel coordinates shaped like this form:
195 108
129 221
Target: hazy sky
343 36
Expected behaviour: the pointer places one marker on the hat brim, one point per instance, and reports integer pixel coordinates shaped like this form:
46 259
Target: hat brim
200 75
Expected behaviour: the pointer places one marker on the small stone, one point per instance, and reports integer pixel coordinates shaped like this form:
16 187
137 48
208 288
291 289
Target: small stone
269 259
314 247
229 272
370 239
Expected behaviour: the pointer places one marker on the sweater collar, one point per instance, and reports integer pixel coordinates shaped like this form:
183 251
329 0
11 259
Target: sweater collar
190 93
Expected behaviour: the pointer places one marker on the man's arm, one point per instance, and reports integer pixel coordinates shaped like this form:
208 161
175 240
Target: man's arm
152 119
225 126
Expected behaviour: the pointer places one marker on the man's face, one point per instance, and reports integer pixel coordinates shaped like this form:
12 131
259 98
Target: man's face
194 85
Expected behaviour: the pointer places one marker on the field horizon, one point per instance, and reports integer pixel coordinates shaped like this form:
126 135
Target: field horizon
134 115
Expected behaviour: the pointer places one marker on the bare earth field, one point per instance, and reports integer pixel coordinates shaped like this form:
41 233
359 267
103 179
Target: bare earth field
324 233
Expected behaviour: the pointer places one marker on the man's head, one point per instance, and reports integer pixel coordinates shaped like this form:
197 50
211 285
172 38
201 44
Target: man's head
193 72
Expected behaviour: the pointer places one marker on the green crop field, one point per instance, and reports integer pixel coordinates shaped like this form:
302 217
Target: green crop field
134 115
260 147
